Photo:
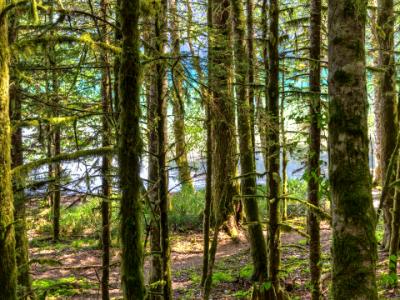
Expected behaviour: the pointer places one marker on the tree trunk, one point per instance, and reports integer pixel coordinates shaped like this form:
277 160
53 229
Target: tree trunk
106 92
55 141
161 94
284 147
251 69
377 101
387 96
153 178
178 104
17 159
273 178
262 111
8 270
314 147
21 238
247 161
130 149
353 217
223 123
395 238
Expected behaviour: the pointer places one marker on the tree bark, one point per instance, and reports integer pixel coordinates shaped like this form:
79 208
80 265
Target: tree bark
223 124
273 178
377 101
353 217
251 70
8 270
130 149
178 104
387 98
284 146
314 147
161 94
24 279
106 92
21 238
153 178
247 161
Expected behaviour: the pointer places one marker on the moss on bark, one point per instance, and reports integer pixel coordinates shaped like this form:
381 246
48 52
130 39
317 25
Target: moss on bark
130 149
8 269
354 249
248 184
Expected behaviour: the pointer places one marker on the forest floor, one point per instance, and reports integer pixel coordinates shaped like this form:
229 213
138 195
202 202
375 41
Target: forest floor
75 270
71 268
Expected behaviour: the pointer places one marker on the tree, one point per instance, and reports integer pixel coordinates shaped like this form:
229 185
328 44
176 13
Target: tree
161 127
178 102
8 270
353 217
387 97
273 150
245 125
17 159
315 146
130 149
106 94
223 125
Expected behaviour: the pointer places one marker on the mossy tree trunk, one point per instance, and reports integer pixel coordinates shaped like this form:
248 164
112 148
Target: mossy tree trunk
283 145
209 177
395 238
206 95
388 95
8 270
223 123
354 249
117 64
247 161
262 110
54 136
161 127
313 175
387 98
106 92
273 178
17 159
377 101
251 68
153 178
130 149
21 238
178 105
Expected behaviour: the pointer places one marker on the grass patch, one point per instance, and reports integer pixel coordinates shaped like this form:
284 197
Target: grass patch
63 287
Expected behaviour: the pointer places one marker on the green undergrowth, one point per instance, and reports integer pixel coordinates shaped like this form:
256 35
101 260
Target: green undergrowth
186 210
87 243
297 188
60 288
186 213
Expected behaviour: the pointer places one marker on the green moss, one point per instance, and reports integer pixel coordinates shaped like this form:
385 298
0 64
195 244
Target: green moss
63 287
350 272
356 9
